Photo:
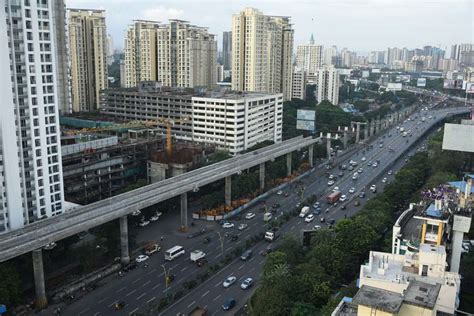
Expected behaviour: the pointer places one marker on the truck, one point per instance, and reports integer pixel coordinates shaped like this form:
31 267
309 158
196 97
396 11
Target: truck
333 197
271 235
267 216
304 211
198 311
196 255
151 248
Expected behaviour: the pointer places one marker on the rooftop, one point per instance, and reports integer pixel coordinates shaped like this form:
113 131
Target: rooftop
422 294
379 299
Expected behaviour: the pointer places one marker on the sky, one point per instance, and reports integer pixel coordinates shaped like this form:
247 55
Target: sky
359 25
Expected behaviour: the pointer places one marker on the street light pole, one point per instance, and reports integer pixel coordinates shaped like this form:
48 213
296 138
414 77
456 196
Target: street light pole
221 239
166 279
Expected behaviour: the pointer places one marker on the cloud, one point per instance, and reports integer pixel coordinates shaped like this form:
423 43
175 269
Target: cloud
162 14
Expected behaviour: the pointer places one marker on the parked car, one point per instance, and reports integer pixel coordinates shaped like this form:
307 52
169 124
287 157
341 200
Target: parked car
280 192
144 223
242 226
343 198
136 213
249 215
330 182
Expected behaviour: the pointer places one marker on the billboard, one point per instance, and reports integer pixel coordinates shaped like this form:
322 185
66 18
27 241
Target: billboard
306 120
470 87
376 71
421 82
394 86
452 84
365 74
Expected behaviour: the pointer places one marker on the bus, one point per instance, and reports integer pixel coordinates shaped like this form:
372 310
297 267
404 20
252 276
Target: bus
174 252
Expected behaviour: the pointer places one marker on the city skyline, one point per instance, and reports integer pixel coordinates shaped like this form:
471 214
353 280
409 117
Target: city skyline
355 20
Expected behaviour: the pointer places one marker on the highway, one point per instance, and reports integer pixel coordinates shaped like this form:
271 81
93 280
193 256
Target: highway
144 286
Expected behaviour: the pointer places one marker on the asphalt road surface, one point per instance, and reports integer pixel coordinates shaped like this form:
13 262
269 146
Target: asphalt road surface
144 286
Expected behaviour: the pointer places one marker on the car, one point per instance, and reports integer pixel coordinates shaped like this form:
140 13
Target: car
144 223
234 237
362 194
381 145
50 246
330 182
331 177
332 221
352 190
322 220
384 180
360 170
374 164
267 250
243 226
390 172
136 213
363 159
286 194
343 198
351 168
316 205
280 192
228 225
317 227
246 255
341 174
369 164
228 304
373 188
309 218
154 218
335 189
249 215
229 281
344 206
141 258
317 210
248 282
119 305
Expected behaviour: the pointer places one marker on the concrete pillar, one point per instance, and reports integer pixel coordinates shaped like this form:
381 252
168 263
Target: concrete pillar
357 133
184 210
328 145
228 191
41 299
310 155
288 164
372 128
262 175
366 131
124 253
344 139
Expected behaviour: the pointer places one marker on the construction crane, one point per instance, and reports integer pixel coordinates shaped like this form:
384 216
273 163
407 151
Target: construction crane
167 122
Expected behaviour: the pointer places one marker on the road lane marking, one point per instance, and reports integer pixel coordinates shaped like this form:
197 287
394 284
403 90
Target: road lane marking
151 272
151 299
121 289
174 266
103 299
136 280
184 269
192 303
84 310
141 296
216 298
207 292
146 283
131 292
132 312
218 256
156 286
110 305
98 313
238 242
241 266
217 284
169 289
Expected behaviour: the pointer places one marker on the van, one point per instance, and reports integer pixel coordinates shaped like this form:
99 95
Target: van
246 255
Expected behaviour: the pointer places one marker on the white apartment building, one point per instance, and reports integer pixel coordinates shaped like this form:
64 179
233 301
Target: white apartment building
299 84
309 57
232 121
186 55
88 54
31 185
330 53
328 85
262 48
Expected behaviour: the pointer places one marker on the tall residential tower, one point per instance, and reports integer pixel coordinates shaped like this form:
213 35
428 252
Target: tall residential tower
227 50
31 185
309 57
328 85
88 55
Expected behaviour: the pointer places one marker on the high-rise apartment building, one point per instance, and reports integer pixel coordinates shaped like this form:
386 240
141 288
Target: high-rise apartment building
262 49
88 54
227 50
186 55
309 57
110 50
330 55
298 90
458 49
140 53
328 85
30 156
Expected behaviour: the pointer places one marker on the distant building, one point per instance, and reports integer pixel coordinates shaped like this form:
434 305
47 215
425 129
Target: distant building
232 121
220 73
227 50
309 57
110 50
88 53
262 48
457 50
299 84
330 56
328 85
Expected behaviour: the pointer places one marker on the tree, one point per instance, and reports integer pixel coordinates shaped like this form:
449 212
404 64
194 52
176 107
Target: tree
303 309
10 286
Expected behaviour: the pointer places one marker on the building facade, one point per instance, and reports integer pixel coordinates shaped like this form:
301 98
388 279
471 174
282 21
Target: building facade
88 57
328 85
262 48
227 50
299 84
186 55
230 121
30 165
309 57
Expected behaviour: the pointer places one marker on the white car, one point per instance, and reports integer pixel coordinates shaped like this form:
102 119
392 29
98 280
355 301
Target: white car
248 282
243 226
50 246
363 159
280 192
309 218
317 227
249 215
374 164
336 189
227 225
390 172
144 223
136 213
373 187
141 258
154 218
229 281
384 180
352 190
343 198
360 170
330 182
